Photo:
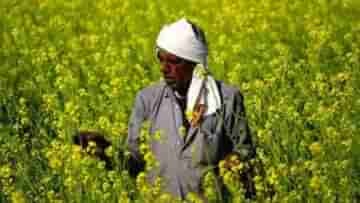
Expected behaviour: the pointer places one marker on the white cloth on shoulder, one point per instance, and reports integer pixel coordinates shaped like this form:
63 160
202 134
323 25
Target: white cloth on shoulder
185 40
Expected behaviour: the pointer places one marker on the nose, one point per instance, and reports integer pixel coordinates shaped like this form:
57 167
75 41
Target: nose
164 68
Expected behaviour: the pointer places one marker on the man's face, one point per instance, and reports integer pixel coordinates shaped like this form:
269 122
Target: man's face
177 72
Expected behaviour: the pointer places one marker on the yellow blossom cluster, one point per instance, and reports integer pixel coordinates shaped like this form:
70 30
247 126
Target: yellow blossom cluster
73 65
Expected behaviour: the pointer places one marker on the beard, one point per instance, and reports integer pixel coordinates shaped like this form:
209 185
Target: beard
180 86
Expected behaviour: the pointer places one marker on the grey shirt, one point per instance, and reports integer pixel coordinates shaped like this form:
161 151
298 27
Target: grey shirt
183 159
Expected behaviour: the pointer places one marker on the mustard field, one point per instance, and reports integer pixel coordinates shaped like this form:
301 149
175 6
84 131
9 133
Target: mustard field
70 65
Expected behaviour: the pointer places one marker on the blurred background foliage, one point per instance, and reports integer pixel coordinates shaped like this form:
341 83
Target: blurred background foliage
77 64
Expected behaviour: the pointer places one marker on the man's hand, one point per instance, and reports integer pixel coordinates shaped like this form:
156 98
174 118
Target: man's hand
242 170
95 140
232 162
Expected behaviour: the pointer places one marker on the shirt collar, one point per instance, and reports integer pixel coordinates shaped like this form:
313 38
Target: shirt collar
178 96
168 92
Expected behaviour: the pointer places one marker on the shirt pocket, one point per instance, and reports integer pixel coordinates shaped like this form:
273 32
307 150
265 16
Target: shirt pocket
204 149
210 124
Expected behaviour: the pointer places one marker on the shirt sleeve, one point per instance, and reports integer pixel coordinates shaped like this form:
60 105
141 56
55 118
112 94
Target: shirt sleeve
237 129
137 118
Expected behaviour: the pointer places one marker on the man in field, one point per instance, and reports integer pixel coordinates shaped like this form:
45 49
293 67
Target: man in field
201 120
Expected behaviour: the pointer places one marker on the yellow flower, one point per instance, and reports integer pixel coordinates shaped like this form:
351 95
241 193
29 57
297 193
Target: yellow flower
5 171
140 179
55 163
222 168
124 198
189 115
165 198
200 71
109 151
157 135
127 153
17 197
315 148
228 177
76 154
194 198
50 194
91 148
104 122
315 183
259 183
143 148
209 186
156 189
69 182
273 178
182 131
106 186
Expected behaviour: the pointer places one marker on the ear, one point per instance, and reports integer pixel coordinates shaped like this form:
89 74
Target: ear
191 66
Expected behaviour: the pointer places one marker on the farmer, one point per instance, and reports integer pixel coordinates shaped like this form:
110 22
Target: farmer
201 121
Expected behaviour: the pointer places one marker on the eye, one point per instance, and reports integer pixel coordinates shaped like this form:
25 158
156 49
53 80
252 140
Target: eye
176 60
170 59
159 57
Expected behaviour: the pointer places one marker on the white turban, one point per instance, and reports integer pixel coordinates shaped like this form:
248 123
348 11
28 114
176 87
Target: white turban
187 41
